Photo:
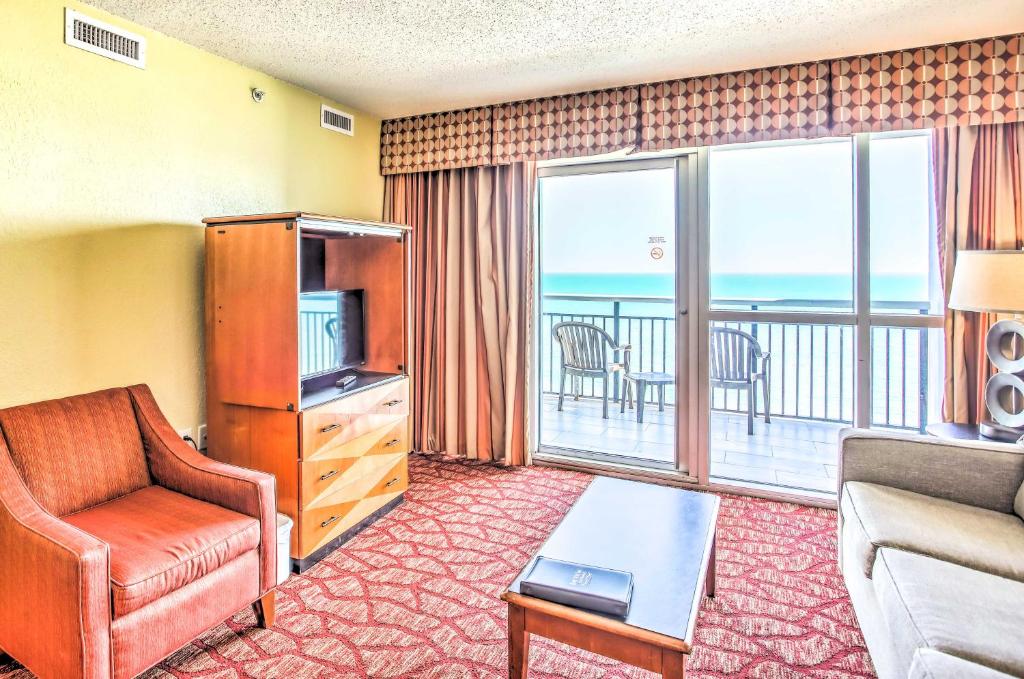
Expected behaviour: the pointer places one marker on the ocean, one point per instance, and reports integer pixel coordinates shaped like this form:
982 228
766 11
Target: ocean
832 289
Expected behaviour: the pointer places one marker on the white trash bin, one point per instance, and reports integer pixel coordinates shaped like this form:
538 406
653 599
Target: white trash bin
284 548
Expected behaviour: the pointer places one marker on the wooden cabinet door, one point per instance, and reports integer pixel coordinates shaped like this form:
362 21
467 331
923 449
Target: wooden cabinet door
253 304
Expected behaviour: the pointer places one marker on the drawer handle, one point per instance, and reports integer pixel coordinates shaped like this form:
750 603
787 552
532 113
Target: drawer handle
392 442
330 427
328 522
392 403
333 472
391 482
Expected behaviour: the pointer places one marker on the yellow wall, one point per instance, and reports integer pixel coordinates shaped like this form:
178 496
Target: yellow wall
105 173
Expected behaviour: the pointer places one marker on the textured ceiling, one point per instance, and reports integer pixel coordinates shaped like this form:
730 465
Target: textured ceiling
399 57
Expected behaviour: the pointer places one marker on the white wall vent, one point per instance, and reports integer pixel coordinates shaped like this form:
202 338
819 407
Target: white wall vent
99 37
339 121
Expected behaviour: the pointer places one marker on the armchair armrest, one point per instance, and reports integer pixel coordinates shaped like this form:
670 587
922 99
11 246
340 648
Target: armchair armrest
764 362
54 587
178 466
977 473
625 349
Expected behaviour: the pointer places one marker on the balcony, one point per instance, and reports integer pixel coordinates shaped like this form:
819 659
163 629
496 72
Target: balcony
811 388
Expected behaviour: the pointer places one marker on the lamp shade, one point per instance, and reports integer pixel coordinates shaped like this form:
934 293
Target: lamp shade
988 280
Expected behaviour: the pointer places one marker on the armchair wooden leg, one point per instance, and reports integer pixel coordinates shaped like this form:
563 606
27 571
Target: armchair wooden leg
265 609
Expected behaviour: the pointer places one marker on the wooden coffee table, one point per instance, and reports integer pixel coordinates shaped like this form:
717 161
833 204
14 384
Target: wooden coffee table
665 537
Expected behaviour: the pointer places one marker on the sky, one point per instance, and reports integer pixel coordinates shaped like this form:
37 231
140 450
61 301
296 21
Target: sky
784 209
606 222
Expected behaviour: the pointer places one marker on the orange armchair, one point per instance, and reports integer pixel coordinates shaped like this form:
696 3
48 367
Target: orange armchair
119 542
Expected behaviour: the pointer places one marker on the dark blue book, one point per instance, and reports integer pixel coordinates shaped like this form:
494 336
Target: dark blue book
596 589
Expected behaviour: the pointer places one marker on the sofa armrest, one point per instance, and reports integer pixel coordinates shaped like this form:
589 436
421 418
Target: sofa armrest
54 587
977 473
176 465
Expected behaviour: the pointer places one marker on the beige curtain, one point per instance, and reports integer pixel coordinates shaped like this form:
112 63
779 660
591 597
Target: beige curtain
472 290
979 195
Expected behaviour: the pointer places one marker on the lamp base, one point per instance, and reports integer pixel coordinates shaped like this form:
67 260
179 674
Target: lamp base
997 432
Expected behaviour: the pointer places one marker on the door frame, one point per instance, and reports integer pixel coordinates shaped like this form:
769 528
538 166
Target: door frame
684 166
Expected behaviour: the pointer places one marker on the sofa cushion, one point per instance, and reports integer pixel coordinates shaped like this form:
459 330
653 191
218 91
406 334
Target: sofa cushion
929 603
1018 502
978 538
929 664
73 453
161 541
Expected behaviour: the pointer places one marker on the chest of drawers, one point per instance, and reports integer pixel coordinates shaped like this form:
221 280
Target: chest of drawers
281 336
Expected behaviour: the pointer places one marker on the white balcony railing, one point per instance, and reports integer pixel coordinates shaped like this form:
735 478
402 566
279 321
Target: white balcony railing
812 363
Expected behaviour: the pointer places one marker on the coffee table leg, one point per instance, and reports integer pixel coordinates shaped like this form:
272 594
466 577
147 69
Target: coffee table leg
518 643
709 579
673 665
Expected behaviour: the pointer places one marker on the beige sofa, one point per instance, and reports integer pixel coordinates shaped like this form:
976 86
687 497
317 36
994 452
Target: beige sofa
931 545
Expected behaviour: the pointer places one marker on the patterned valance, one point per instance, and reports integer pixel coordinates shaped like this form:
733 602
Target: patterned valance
566 126
439 141
967 83
785 102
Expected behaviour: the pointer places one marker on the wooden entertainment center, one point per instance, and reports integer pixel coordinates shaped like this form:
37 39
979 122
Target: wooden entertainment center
273 396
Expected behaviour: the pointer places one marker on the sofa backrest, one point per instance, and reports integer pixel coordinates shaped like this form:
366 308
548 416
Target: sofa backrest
74 453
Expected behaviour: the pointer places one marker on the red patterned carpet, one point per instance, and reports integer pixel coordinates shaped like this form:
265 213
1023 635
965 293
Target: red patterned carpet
416 594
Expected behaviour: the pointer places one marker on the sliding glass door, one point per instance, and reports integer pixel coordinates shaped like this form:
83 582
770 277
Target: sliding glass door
608 345
822 302
812 270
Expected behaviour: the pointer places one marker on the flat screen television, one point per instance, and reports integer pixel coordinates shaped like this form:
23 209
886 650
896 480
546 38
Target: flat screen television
331 331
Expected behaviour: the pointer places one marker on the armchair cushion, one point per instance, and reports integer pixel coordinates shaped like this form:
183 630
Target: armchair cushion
977 538
76 452
161 541
177 466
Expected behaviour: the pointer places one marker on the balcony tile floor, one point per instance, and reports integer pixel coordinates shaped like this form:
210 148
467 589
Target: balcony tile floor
788 453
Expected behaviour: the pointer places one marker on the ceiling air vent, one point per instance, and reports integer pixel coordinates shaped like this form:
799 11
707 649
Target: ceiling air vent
339 121
99 37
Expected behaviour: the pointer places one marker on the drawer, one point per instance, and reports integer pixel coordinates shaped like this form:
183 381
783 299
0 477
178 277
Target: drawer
344 508
337 466
338 422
